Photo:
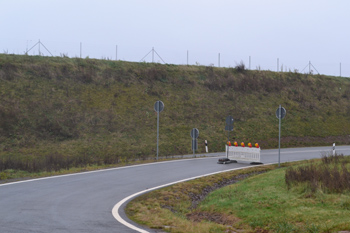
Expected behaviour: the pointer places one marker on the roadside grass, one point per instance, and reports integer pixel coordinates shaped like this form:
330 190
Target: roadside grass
167 208
259 203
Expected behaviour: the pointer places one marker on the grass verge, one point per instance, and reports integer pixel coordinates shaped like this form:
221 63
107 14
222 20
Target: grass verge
261 202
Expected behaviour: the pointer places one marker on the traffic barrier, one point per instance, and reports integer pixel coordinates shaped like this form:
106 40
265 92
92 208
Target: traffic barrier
246 154
241 153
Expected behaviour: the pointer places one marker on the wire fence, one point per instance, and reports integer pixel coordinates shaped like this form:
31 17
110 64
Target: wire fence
174 56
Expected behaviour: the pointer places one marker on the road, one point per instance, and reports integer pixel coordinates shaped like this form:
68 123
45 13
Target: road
83 202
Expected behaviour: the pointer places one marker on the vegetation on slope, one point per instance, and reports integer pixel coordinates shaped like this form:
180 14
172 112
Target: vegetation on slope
267 202
58 113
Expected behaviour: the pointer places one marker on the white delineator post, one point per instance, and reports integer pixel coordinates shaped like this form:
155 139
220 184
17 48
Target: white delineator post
333 149
206 145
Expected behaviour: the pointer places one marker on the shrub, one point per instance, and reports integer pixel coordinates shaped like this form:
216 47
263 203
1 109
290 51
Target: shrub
240 67
331 175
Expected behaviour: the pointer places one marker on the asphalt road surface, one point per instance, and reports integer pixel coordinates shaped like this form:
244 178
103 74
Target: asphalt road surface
83 202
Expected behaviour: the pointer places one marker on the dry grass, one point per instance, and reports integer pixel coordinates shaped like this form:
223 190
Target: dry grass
331 175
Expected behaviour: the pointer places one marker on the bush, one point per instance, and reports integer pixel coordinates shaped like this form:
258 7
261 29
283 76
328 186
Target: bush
240 67
332 175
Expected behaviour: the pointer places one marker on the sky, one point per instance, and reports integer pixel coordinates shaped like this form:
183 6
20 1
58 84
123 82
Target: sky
271 35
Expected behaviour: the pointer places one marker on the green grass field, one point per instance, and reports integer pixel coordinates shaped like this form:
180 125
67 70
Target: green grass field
260 203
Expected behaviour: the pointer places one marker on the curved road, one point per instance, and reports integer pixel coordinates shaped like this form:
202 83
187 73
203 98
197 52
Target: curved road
83 202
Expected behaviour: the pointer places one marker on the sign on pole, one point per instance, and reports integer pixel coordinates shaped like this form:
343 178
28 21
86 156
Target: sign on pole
194 133
194 136
158 107
280 114
229 126
229 120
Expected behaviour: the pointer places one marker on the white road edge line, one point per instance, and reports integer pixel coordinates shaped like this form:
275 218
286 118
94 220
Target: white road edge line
147 164
104 170
115 210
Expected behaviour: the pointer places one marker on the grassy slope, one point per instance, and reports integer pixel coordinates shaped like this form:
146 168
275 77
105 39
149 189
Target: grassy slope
97 111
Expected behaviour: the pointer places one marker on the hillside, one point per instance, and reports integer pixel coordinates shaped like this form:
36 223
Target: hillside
61 112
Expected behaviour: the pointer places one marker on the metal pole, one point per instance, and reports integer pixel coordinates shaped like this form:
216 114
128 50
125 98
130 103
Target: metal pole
39 48
187 57
152 54
279 136
193 146
309 67
158 128
249 62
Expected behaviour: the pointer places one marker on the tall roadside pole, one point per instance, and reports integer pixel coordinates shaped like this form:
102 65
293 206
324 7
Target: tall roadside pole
280 114
158 107
194 135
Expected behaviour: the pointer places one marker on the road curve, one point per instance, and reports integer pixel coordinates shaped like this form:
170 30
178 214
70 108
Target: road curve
83 202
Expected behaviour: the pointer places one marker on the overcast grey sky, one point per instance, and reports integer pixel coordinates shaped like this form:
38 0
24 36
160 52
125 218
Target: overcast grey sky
293 31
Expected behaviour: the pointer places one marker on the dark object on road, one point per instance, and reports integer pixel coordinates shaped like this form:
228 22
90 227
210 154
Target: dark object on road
226 160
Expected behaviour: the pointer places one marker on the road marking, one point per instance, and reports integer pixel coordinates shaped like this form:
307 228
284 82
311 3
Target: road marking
103 170
148 164
215 154
115 210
